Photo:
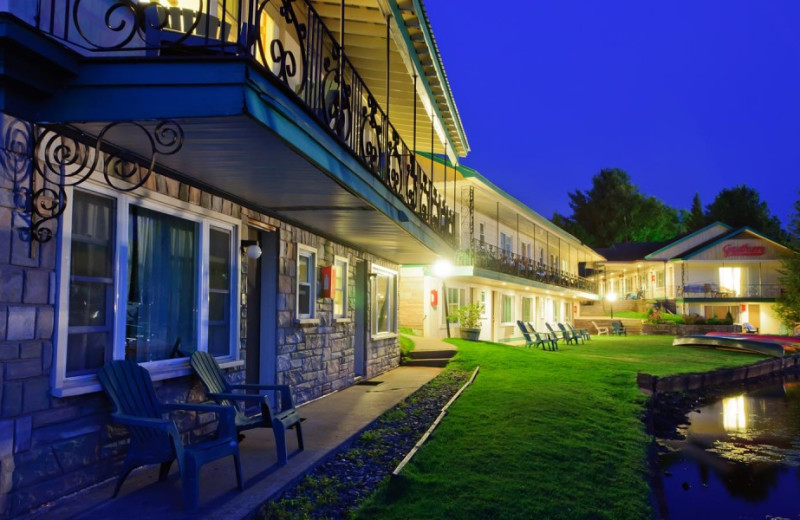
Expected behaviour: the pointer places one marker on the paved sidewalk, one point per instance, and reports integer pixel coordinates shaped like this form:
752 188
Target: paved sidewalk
332 421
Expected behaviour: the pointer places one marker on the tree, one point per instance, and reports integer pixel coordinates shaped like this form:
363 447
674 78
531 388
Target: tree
696 219
742 206
787 306
614 210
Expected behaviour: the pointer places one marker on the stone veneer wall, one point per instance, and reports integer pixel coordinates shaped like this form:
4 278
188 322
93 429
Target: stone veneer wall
51 447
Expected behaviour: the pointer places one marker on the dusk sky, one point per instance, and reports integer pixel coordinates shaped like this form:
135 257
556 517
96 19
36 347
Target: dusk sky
685 96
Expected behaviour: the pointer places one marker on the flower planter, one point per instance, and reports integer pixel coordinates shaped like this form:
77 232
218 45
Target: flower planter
470 334
687 330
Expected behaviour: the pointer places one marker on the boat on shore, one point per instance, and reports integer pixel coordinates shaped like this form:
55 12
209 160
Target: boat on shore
759 337
763 346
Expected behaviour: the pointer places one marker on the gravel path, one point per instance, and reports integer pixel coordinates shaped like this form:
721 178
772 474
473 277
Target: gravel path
337 487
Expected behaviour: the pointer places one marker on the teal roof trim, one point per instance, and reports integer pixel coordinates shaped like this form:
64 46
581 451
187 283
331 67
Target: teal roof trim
687 237
468 172
730 235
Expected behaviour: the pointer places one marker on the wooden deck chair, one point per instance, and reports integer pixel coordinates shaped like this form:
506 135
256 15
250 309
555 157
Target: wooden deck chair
529 341
583 333
600 330
221 391
156 440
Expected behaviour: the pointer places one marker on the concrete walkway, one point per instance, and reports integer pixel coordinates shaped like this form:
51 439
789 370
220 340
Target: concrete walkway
331 422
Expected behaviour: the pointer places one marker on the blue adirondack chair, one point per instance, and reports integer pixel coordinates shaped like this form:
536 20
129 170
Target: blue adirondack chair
156 440
583 333
529 341
221 391
618 328
544 338
568 335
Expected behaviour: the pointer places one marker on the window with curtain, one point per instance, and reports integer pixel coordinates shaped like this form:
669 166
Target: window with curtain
134 288
306 282
384 308
340 293
507 309
527 309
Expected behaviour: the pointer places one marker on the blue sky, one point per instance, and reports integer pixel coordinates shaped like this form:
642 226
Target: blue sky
686 96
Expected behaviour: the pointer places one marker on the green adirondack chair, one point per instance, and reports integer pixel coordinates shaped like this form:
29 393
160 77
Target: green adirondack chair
221 391
618 328
529 341
544 338
569 335
156 440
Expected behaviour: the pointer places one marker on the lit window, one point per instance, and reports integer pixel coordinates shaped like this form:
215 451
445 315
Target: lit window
730 280
133 285
340 293
306 281
527 309
507 309
384 309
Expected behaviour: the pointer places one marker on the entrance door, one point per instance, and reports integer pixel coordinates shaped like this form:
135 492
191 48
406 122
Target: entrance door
754 315
360 319
261 320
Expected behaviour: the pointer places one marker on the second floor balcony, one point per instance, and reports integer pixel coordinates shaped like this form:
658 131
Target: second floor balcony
495 259
346 87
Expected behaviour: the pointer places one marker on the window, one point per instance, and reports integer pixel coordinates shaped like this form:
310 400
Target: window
455 298
505 244
306 281
527 309
730 280
384 310
482 231
507 309
340 286
139 279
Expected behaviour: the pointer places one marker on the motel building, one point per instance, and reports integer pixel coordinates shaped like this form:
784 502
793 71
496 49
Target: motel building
509 258
709 272
236 177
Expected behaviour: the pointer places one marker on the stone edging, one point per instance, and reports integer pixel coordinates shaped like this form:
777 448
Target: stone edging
651 385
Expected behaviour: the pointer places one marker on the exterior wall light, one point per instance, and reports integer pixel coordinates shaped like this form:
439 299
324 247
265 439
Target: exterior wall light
251 249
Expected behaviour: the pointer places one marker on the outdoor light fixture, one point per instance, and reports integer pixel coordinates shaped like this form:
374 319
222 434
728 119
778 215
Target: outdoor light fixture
251 249
611 297
442 269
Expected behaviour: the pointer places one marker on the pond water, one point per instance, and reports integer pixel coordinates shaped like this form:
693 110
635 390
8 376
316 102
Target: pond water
740 458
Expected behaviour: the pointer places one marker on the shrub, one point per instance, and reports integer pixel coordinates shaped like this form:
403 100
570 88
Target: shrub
693 319
728 318
654 316
468 315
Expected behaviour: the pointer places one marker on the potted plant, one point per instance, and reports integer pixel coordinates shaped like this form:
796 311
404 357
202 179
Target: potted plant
469 317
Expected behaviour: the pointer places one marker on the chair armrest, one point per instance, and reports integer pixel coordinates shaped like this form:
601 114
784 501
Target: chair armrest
164 425
226 414
287 401
237 397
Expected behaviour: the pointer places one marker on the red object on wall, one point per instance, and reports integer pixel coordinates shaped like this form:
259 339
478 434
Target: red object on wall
744 307
434 297
328 275
652 278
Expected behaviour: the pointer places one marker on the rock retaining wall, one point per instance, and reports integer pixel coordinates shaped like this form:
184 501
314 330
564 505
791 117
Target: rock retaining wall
651 385
671 329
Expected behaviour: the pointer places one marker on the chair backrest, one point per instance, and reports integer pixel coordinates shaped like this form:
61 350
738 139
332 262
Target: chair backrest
130 388
748 327
214 380
525 333
563 329
548 327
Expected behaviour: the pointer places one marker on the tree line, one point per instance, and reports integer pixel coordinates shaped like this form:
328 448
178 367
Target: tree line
613 210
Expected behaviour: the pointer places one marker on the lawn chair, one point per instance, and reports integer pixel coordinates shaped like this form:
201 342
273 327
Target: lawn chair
600 330
544 338
528 340
554 333
224 393
748 328
618 328
156 440
569 335
582 333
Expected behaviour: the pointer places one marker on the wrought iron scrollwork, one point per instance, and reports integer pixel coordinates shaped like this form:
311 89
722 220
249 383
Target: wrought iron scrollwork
61 161
284 59
371 135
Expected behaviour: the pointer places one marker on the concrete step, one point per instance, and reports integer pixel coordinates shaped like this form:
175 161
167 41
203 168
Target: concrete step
427 362
432 354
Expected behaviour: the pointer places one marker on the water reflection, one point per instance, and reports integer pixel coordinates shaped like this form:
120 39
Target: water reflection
740 458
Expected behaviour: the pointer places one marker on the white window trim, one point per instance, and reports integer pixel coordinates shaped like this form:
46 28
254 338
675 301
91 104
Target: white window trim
392 333
63 386
512 322
304 250
342 318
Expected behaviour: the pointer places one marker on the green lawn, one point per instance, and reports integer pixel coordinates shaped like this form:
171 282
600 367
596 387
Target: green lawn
543 434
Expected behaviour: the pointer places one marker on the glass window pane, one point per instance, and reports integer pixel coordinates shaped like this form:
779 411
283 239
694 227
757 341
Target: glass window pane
303 299
92 235
87 352
302 269
219 258
88 304
162 285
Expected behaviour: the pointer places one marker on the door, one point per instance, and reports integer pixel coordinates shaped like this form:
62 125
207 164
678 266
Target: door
754 315
360 319
261 318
